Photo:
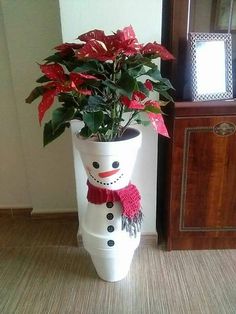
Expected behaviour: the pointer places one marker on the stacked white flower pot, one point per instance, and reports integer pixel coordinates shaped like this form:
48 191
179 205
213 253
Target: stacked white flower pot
109 166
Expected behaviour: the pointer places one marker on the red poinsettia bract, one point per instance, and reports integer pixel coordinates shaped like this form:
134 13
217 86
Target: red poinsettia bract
135 102
140 102
158 123
103 48
67 48
61 83
125 41
155 48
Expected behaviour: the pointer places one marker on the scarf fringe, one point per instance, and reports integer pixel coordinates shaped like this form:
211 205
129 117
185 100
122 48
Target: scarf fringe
132 225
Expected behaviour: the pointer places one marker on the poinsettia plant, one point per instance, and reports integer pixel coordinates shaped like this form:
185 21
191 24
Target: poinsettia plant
106 82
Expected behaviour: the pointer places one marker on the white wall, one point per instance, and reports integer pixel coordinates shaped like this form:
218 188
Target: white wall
78 17
13 180
43 178
32 29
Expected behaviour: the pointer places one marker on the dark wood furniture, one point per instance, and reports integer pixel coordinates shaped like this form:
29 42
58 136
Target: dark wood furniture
197 165
174 37
197 209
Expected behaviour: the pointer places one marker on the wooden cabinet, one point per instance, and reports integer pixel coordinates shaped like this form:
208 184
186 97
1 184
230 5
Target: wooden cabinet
197 165
197 171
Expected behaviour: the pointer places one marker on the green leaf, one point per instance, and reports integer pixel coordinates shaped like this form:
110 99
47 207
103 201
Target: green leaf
144 123
108 120
139 120
93 120
152 109
63 97
93 66
56 57
139 59
92 83
167 83
85 132
43 79
127 84
159 87
95 100
113 87
136 71
162 87
78 115
166 95
61 116
94 103
36 92
68 104
163 103
50 135
71 64
155 73
110 84
163 84
142 88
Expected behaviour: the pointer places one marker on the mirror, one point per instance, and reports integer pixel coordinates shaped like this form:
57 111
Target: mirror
211 66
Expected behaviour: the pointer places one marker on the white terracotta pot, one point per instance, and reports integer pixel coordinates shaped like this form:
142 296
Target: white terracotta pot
108 165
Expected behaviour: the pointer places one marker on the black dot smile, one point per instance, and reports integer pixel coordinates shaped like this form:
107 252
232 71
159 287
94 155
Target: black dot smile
105 183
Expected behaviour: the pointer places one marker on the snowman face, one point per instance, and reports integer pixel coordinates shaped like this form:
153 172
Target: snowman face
105 172
111 171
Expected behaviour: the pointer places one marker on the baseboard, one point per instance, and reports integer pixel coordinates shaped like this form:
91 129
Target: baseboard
28 213
49 210
72 216
15 212
148 239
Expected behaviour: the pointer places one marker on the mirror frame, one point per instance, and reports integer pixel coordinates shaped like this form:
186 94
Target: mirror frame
194 39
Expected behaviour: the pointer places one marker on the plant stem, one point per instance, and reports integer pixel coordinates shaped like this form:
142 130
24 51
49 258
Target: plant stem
114 103
75 100
121 112
129 121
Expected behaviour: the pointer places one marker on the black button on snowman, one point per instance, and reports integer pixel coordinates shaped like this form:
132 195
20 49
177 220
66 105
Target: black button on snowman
110 228
109 204
110 243
110 216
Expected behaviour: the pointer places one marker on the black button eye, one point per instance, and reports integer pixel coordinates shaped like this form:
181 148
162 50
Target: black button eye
115 164
95 165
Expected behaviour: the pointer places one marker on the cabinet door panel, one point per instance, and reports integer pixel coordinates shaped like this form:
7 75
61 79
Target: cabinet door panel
204 176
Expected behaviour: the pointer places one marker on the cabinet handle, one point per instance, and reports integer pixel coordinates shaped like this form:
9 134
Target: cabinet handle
224 129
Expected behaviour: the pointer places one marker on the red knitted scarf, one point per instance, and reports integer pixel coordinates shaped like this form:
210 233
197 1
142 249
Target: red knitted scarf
129 198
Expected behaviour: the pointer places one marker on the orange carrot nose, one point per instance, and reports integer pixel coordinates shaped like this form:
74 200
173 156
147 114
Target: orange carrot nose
108 173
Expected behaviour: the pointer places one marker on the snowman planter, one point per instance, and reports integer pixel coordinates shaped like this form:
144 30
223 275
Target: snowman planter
111 224
99 81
